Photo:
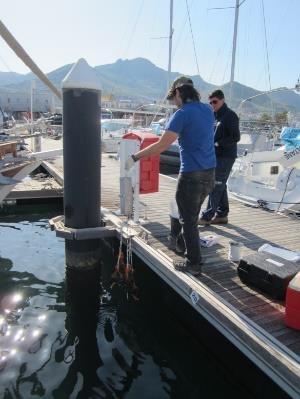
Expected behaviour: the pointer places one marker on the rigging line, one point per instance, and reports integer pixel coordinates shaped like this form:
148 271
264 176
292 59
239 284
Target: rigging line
154 24
226 67
162 100
266 43
181 29
267 55
275 37
134 26
5 64
219 8
124 35
244 64
285 189
9 69
180 34
190 23
219 52
130 38
226 8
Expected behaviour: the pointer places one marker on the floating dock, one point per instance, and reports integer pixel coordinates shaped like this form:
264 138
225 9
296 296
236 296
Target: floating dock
250 320
37 188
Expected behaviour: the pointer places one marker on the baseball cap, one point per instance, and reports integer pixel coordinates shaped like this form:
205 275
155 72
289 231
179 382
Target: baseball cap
179 82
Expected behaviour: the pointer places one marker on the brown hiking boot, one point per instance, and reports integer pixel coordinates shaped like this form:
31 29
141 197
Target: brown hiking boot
186 267
219 220
204 222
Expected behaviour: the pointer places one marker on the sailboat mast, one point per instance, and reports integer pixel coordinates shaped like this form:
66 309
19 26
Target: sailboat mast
236 19
170 44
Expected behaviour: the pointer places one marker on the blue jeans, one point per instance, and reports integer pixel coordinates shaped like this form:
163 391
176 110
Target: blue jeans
218 199
192 189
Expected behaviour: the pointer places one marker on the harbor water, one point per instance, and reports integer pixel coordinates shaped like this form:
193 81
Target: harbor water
60 341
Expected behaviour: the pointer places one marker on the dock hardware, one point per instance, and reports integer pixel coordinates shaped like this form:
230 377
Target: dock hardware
57 224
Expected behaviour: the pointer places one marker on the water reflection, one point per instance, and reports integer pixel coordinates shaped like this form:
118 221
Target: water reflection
81 349
23 330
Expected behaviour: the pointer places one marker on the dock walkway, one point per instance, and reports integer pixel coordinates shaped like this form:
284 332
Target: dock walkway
251 320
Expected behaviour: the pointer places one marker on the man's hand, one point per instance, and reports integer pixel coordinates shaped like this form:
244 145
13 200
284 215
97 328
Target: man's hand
129 163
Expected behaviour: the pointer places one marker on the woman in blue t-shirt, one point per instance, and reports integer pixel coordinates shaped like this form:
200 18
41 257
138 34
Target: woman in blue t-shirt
193 125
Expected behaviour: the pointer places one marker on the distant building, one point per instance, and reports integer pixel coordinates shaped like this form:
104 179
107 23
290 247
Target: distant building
12 102
107 100
17 102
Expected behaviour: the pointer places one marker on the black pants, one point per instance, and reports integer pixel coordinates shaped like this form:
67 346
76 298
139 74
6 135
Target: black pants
218 199
192 189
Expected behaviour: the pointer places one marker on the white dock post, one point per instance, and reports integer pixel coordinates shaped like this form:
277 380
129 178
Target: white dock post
129 179
136 192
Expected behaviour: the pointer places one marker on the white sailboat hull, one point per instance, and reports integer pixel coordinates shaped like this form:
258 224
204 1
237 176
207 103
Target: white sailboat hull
260 179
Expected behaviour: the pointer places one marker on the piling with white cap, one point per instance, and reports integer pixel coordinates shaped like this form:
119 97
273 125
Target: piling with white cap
82 161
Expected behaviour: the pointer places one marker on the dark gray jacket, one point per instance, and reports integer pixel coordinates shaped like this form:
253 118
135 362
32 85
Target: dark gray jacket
227 132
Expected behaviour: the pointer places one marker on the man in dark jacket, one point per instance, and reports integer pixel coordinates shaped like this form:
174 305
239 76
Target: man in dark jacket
227 135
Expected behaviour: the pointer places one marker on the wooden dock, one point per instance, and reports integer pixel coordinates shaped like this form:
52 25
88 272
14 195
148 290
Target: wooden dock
36 189
249 319
39 187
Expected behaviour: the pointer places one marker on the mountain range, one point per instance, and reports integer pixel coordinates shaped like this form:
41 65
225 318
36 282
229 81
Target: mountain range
140 80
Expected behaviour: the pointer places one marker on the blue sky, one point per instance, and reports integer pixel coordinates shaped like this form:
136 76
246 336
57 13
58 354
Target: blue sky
58 32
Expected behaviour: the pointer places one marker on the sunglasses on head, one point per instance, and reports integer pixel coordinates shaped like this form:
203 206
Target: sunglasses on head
214 102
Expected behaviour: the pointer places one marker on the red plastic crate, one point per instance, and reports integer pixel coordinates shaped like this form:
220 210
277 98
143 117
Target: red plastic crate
292 303
149 166
292 318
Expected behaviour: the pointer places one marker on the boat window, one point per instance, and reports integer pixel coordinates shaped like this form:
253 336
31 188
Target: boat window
274 170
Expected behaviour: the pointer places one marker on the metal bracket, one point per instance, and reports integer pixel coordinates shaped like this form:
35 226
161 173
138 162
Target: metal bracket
145 210
90 233
143 235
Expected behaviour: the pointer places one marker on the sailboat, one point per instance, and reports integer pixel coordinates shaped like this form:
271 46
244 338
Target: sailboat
266 173
269 175
270 179
112 131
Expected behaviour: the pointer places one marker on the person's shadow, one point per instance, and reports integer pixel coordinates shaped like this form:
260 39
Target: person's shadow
235 232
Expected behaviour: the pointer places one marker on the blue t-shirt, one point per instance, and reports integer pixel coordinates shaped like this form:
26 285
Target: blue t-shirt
194 124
